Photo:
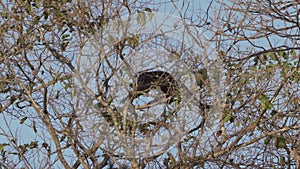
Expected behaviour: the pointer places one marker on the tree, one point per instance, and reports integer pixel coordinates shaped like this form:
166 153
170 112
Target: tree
46 97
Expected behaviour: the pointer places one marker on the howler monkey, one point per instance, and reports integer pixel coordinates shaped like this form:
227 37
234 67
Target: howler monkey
145 81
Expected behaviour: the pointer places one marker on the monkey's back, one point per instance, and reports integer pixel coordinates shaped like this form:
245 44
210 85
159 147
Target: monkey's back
157 79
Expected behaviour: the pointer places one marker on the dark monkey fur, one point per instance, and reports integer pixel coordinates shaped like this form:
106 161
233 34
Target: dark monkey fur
161 80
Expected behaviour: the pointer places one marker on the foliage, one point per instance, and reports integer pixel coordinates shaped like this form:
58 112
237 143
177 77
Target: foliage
257 41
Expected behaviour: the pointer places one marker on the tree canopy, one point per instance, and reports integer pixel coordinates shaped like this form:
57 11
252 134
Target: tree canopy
68 69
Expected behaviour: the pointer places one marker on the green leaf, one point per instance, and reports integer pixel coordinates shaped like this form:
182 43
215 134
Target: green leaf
294 54
56 76
227 118
45 145
47 27
1 107
238 124
72 92
148 10
23 148
177 102
65 37
282 160
2 146
188 138
267 140
14 153
133 41
272 56
64 45
34 127
172 159
164 138
13 140
285 56
2 86
229 27
65 78
33 144
280 142
141 18
274 112
23 120
67 86
265 103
